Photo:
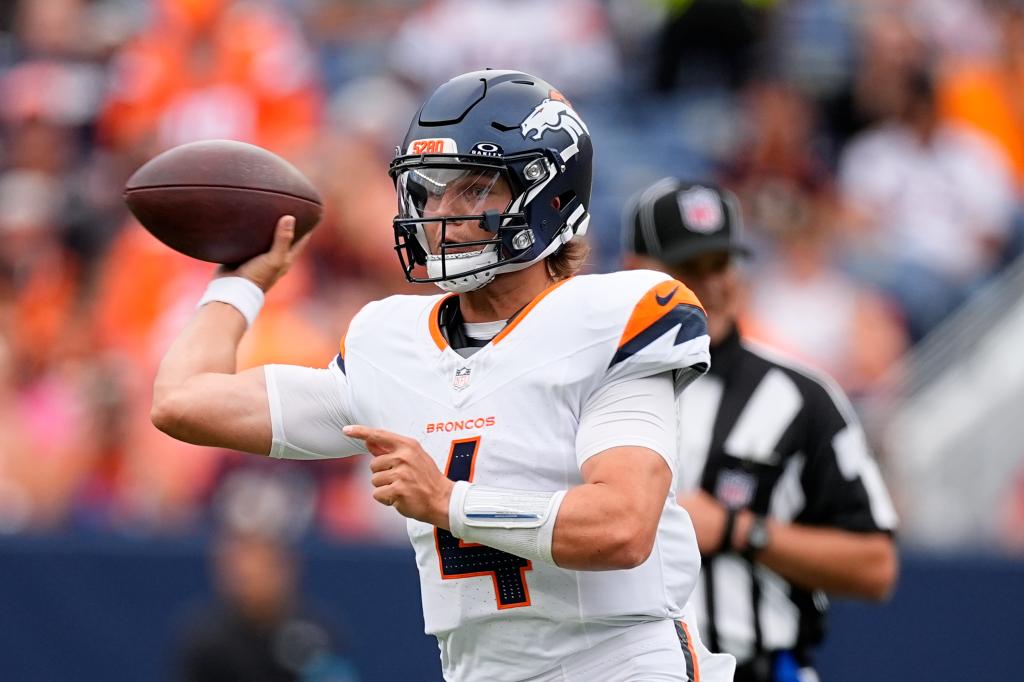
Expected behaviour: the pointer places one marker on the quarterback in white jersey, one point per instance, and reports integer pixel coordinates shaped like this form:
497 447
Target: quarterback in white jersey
509 415
523 422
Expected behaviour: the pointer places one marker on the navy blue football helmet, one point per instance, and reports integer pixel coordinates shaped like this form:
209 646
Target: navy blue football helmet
479 139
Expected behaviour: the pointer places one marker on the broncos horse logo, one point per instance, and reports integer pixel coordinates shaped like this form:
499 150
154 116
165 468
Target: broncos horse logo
554 114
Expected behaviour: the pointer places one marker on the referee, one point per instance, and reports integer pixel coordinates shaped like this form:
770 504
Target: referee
783 491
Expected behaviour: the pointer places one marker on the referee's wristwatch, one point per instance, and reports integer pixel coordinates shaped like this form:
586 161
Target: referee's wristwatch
758 537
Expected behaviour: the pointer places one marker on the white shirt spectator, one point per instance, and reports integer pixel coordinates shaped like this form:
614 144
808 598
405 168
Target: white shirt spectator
943 203
563 42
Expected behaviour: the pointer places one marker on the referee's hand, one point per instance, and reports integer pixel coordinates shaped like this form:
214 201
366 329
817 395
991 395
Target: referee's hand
708 516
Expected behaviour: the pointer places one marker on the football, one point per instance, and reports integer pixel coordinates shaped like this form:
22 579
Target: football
219 200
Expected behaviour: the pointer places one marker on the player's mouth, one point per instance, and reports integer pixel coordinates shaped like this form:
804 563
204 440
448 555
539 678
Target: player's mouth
453 246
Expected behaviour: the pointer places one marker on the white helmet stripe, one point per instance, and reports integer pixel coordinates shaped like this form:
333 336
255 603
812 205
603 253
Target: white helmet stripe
576 215
581 229
527 197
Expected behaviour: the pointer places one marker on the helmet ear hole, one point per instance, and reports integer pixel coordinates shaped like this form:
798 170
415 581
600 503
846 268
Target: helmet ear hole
563 200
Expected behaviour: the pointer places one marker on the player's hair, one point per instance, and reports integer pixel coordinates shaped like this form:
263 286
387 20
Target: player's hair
568 260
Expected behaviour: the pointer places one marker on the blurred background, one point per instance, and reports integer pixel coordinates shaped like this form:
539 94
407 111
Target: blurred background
877 147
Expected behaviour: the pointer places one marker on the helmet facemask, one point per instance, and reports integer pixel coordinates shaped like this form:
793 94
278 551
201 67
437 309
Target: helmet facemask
437 194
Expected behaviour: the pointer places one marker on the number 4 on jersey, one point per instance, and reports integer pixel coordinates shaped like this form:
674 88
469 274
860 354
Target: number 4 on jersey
460 559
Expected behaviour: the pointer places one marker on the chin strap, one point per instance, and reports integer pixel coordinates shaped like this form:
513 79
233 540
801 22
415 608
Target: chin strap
457 263
463 285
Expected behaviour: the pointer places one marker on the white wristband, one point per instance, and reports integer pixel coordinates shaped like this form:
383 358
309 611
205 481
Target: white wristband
520 522
238 292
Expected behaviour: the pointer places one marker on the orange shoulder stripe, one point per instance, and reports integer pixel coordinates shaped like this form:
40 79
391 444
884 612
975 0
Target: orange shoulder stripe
526 311
660 300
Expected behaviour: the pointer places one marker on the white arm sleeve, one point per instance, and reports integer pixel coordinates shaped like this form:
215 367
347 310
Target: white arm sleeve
638 412
308 408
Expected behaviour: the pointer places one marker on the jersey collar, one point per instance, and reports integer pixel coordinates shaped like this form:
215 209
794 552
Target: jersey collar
446 317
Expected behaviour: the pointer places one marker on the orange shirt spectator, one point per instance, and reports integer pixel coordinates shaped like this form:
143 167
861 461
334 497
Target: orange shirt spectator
214 69
986 94
988 99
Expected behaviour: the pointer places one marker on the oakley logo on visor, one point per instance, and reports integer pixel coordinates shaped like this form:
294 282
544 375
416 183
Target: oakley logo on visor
486 149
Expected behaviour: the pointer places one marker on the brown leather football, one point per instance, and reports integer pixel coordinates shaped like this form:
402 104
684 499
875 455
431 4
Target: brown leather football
219 200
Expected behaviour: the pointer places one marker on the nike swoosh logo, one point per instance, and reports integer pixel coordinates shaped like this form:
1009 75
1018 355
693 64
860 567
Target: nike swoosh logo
664 300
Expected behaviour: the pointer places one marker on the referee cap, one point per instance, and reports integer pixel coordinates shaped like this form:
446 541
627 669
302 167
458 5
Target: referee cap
673 221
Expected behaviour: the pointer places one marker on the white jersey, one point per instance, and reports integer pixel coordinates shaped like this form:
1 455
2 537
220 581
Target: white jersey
508 416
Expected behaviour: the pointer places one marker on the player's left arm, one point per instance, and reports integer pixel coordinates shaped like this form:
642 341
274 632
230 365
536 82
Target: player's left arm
625 446
607 523
611 520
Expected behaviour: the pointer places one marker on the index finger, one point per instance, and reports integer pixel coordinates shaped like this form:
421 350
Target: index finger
375 437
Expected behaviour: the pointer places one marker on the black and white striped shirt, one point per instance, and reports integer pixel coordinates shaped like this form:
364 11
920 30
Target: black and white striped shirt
762 433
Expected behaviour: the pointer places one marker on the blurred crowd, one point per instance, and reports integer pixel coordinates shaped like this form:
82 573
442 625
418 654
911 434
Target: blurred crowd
877 147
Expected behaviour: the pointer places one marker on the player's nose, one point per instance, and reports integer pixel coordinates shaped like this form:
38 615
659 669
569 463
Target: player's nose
453 203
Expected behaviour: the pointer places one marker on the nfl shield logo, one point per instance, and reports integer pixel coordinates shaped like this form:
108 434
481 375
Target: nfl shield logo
735 489
701 210
461 378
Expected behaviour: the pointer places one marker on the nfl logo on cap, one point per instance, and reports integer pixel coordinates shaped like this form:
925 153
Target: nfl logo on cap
701 210
461 378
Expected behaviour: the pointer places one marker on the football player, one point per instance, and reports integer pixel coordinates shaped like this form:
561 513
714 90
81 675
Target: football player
522 420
